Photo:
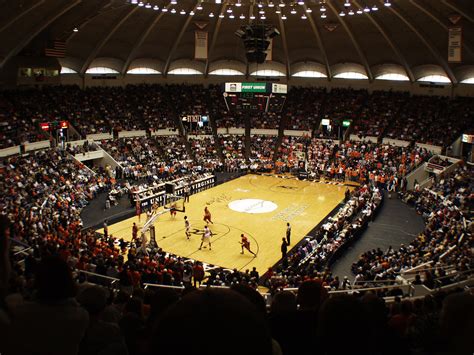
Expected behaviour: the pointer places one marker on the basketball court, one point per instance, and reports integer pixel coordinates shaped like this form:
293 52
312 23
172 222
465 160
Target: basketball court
258 206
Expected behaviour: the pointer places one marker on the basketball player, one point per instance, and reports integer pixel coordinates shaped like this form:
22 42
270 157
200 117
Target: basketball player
134 231
206 237
207 216
187 227
246 244
173 210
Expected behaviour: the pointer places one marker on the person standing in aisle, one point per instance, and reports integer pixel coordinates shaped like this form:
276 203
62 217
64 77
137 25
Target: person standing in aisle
288 233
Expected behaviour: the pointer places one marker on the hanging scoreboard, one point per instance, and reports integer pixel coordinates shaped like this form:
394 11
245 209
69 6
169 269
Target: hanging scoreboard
267 97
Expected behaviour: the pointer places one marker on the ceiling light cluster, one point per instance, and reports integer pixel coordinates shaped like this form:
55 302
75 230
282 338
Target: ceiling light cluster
292 7
351 9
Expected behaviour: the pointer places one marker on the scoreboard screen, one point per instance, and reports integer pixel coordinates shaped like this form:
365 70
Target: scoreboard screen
267 97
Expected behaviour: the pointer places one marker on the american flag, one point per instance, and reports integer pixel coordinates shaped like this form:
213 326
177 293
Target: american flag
56 49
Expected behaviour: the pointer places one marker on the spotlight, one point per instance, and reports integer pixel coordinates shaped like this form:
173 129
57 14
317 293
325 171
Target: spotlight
242 17
351 12
375 8
366 9
309 10
211 14
156 8
387 3
75 29
148 5
342 14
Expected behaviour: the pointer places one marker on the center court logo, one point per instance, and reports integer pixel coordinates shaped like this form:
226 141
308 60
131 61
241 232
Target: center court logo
252 205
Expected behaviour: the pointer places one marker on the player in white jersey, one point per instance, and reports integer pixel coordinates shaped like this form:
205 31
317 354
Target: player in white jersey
187 227
206 237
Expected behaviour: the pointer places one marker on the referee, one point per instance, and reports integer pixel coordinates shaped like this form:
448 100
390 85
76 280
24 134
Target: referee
288 233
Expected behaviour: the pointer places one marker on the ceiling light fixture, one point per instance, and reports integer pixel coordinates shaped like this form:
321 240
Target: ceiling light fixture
141 4
293 11
164 9
218 1
283 17
303 17
323 15
347 3
182 12
366 9
221 16
134 2
300 2
252 17
199 7
242 17
281 4
278 11
75 29
174 2
375 8
238 4
211 14
262 17
156 8
231 16
322 9
351 12
387 3
148 5
191 13
173 10
229 10
309 10
359 12
271 4
342 14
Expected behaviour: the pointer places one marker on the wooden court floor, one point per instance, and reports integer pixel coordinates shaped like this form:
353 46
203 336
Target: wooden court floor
302 203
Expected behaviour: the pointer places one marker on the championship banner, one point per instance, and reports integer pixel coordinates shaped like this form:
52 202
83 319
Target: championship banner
455 45
200 44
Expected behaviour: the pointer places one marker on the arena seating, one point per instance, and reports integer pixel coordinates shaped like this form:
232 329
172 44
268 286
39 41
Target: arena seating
424 119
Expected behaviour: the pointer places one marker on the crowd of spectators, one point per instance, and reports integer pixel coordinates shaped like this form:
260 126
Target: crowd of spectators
380 109
61 317
143 157
424 119
313 257
445 241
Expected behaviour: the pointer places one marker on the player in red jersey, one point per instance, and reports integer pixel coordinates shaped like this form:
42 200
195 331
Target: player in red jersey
245 243
207 216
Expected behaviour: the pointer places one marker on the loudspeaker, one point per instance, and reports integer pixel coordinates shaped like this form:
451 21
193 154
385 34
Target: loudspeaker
169 188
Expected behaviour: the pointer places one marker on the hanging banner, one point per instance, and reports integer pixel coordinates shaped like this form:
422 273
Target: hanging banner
270 51
200 45
455 45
